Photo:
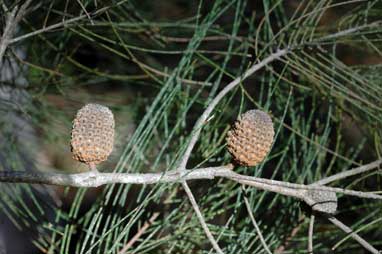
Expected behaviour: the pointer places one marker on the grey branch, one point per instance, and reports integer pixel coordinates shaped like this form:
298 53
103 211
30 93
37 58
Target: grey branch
310 234
201 218
64 23
96 179
349 31
354 235
257 228
7 33
12 19
290 189
352 172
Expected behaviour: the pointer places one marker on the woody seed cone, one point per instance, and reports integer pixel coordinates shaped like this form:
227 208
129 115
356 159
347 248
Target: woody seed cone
250 138
92 134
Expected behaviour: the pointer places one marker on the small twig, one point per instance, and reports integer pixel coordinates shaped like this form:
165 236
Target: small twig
145 227
274 188
48 28
258 231
353 234
164 74
12 20
63 23
22 11
253 181
345 174
140 232
93 167
294 232
86 12
7 33
310 234
348 31
201 219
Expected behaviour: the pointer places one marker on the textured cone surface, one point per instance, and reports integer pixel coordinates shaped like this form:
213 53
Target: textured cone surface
250 138
92 134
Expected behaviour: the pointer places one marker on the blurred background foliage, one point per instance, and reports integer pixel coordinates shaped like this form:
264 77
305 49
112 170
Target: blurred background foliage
157 65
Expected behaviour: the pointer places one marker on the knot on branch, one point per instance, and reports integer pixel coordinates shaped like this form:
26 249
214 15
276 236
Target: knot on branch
322 201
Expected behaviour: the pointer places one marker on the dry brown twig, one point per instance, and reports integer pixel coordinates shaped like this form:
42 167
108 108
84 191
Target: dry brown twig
140 232
280 249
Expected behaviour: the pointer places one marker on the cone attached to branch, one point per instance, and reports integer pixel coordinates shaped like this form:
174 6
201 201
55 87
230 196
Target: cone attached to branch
250 138
92 134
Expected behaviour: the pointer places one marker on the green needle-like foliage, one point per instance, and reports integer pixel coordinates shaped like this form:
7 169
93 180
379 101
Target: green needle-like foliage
158 65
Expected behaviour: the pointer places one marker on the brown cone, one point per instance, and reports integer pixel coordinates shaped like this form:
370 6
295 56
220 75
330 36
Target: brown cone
92 134
250 138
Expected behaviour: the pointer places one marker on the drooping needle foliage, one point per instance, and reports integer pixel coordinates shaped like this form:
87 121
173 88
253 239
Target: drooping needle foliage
158 65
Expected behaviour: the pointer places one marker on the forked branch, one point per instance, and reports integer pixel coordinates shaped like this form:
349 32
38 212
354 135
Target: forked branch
96 179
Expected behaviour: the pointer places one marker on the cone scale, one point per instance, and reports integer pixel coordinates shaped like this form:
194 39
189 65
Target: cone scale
250 138
92 136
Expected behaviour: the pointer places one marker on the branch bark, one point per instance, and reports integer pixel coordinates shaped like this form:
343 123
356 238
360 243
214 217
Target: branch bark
352 172
310 234
96 179
12 19
354 235
257 228
201 218
7 33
